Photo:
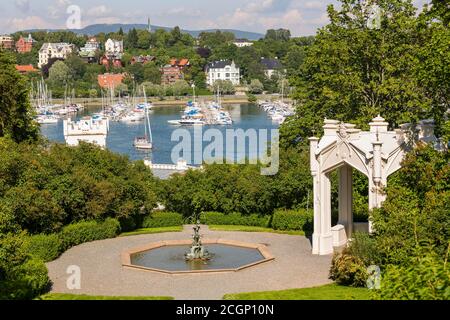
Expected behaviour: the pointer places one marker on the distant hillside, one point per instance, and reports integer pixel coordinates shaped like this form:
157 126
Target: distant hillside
106 28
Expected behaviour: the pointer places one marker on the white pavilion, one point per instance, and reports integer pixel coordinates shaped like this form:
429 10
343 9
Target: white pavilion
377 154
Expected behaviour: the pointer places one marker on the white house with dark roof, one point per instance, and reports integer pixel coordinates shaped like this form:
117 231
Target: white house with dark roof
114 49
241 43
271 67
223 70
54 50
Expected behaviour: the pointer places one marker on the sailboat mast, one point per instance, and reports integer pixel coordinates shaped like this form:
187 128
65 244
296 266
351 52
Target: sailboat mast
147 116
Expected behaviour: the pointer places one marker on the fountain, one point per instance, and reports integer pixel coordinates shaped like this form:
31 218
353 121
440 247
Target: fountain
196 256
197 252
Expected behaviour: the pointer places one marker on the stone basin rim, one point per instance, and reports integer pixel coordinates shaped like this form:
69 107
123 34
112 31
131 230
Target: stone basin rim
263 250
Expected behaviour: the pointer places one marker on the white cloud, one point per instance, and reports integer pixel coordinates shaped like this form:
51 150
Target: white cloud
58 9
99 11
22 5
31 22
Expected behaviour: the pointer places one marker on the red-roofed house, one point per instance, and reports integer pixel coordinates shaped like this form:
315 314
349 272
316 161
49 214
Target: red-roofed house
24 45
26 69
173 72
109 80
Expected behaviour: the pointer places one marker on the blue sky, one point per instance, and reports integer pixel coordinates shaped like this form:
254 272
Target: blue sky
303 17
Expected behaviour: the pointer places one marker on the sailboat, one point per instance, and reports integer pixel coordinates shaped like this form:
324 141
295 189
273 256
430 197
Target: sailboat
145 142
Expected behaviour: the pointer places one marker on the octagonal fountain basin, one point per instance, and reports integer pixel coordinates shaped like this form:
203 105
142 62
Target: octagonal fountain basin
169 257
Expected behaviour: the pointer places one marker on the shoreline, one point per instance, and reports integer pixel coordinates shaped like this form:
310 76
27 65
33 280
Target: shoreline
181 101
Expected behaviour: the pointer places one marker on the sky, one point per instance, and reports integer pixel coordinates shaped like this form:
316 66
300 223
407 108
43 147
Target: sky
302 17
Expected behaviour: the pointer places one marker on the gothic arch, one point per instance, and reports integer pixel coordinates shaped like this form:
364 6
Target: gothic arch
376 153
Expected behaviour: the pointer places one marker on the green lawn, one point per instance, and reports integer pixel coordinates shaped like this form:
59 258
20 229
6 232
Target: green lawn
327 292
254 229
152 231
66 297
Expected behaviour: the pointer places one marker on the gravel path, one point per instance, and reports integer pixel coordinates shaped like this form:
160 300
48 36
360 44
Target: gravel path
103 274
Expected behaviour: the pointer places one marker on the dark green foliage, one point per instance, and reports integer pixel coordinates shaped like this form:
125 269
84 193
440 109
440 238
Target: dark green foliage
47 187
349 267
82 232
21 276
425 277
16 119
293 220
234 219
417 206
163 219
44 247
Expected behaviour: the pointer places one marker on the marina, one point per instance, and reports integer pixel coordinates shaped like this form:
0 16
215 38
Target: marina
278 111
122 134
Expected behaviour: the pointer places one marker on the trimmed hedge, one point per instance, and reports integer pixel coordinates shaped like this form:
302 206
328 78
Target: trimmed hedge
78 233
234 219
293 220
44 247
163 219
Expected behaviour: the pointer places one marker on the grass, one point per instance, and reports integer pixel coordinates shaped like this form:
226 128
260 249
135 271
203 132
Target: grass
327 292
254 229
67 297
152 231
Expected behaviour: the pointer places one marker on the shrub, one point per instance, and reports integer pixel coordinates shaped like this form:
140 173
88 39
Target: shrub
349 270
163 219
234 219
425 278
21 276
78 233
350 266
44 247
293 220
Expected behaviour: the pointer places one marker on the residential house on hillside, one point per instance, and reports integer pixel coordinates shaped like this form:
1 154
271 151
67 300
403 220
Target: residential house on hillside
25 45
6 42
240 43
271 67
108 62
26 69
90 50
223 70
142 59
109 80
114 49
54 50
174 71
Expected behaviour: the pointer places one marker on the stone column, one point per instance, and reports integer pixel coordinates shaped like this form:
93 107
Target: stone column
316 194
326 237
377 180
346 199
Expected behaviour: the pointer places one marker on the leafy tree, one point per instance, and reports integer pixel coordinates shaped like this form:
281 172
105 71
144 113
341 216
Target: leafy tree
180 87
77 66
21 276
15 110
59 74
353 73
256 87
224 86
144 39
152 73
416 210
426 277
132 39
280 34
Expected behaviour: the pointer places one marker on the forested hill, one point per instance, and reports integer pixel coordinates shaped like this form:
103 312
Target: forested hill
108 28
